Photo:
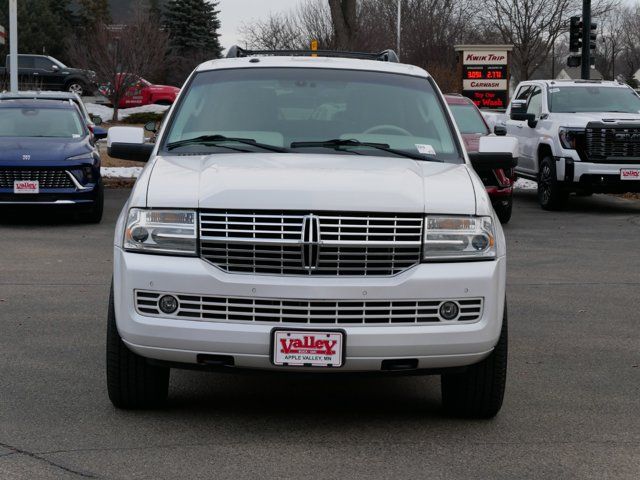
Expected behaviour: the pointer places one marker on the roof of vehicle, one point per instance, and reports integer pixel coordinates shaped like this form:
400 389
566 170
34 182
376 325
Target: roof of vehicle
578 83
457 99
40 95
340 63
31 103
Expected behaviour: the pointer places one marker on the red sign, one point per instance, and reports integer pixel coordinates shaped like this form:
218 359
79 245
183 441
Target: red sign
488 99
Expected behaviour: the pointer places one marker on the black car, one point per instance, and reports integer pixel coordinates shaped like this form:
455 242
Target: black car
48 157
41 72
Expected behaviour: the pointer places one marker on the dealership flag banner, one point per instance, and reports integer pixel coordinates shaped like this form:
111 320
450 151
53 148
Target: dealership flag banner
3 35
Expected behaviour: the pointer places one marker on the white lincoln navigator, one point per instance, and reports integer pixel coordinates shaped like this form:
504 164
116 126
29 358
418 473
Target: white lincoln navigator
309 213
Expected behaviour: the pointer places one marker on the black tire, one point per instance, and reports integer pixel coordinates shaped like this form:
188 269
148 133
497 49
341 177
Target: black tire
551 194
131 382
504 210
93 214
478 391
76 86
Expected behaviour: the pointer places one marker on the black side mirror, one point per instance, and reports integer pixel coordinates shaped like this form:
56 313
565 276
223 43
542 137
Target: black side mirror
491 161
55 68
532 121
138 152
151 126
500 130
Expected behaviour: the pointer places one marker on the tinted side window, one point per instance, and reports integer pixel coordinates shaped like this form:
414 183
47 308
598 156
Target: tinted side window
523 93
535 102
42 63
25 62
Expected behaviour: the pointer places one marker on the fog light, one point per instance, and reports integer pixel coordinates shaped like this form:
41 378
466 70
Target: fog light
449 310
139 234
168 304
480 242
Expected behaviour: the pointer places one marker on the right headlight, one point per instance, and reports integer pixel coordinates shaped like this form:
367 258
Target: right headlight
161 231
570 137
459 238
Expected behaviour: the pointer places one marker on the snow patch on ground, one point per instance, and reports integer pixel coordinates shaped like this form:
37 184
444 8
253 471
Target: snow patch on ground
523 184
106 113
120 172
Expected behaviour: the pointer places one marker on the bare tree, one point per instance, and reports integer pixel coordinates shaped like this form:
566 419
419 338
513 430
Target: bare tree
345 22
611 34
120 56
534 26
292 30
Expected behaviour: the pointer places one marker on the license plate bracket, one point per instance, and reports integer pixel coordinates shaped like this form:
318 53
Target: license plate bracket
26 186
630 174
308 348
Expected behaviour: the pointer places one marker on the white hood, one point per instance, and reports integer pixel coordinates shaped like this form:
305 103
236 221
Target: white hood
583 118
310 182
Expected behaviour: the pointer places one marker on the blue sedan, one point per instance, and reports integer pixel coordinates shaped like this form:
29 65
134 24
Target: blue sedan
48 157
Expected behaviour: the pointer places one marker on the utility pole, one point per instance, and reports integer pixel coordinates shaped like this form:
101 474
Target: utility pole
586 40
399 26
13 44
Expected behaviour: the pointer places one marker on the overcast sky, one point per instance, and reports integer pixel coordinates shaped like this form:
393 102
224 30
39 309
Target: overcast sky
233 13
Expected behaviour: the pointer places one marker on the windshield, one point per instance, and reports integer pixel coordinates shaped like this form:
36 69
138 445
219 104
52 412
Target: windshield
40 122
593 99
469 119
286 107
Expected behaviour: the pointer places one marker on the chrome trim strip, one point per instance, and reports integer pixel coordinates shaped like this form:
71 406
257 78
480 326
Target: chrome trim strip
57 202
75 181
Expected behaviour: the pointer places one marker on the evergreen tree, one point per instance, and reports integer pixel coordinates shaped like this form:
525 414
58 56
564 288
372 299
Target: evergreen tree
92 12
43 26
193 28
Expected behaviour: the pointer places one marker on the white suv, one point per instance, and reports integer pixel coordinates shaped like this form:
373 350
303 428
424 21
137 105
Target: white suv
579 136
312 214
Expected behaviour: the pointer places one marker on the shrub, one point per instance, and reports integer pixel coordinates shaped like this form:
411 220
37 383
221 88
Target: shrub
143 117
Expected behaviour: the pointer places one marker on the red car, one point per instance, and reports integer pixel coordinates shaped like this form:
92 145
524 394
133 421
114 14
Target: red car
144 92
499 183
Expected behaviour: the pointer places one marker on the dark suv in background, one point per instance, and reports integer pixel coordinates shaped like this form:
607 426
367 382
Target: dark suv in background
41 72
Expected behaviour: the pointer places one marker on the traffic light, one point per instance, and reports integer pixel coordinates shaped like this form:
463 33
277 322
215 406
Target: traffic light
575 34
593 35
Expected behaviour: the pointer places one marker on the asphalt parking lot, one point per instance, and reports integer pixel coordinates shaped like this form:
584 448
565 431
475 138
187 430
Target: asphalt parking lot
571 407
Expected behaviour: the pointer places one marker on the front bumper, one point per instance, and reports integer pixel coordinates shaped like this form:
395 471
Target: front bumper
433 346
595 177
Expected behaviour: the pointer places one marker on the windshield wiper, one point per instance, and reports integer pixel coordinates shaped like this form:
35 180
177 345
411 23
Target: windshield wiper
215 139
339 143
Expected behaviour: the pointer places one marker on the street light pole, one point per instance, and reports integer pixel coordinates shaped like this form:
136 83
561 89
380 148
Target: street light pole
13 44
399 25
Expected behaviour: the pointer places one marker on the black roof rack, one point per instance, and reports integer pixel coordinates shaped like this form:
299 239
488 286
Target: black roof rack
384 56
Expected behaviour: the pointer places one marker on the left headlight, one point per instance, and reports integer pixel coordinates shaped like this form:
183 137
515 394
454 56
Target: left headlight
459 238
171 232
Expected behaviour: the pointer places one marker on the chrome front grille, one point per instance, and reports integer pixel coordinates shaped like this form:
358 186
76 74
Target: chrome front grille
331 244
47 178
613 144
305 312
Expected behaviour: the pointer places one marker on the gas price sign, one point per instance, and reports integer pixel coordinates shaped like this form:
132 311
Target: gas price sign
485 74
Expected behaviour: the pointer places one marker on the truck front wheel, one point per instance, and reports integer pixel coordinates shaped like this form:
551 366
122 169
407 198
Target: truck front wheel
131 381
551 194
478 391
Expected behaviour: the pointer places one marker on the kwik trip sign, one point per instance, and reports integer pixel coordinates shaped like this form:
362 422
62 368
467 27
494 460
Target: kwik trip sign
484 71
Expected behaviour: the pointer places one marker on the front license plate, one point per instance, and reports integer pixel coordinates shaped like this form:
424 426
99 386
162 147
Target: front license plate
630 174
26 186
305 348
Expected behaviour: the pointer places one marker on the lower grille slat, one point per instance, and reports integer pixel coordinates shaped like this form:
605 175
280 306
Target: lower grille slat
304 312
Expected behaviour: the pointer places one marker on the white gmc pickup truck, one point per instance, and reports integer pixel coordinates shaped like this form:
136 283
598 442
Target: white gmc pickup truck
309 214
578 136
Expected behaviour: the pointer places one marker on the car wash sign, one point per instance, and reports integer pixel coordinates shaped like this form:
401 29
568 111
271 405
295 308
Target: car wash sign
484 71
